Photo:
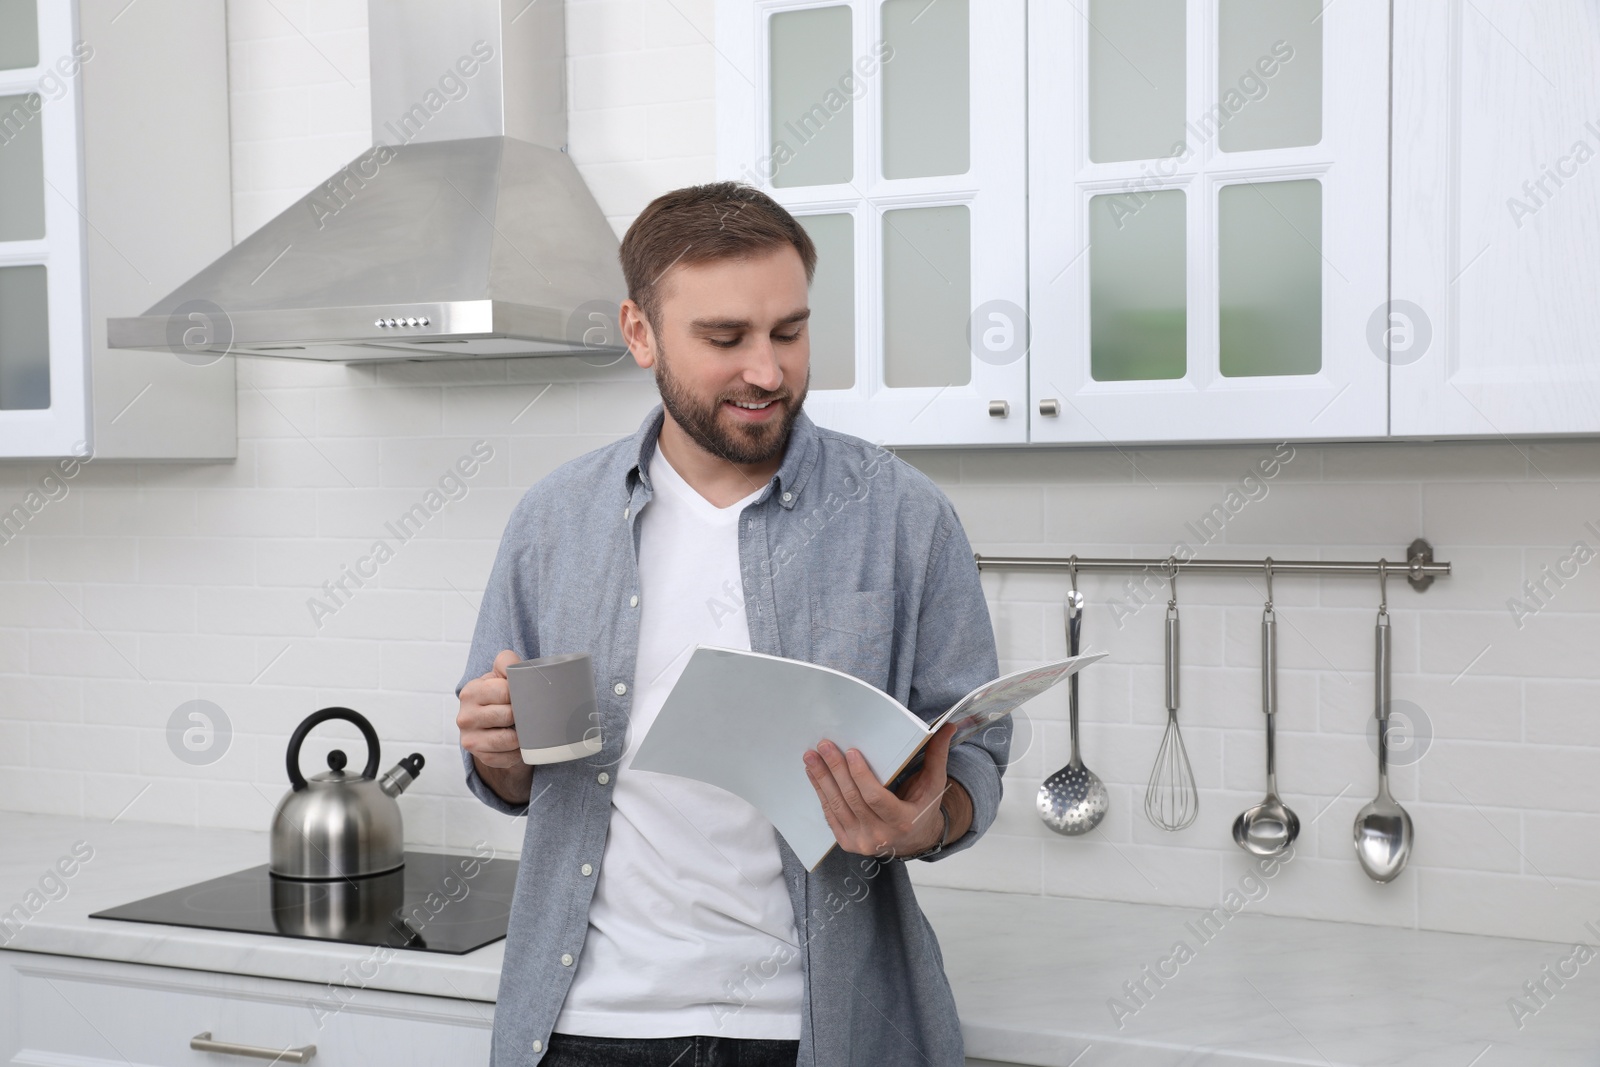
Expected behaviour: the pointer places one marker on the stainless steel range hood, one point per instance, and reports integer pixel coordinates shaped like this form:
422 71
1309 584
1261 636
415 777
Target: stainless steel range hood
465 232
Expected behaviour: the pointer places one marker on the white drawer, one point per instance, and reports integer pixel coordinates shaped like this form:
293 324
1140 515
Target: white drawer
60 1011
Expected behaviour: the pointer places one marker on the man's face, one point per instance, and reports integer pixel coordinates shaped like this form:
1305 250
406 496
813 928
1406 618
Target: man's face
731 352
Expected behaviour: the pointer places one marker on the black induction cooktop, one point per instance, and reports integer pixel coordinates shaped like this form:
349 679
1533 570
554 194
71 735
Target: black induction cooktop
434 903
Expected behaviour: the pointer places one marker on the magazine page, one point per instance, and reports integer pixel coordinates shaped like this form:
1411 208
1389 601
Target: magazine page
742 720
1005 694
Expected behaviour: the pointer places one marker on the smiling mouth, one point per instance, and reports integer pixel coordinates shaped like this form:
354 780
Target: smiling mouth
750 405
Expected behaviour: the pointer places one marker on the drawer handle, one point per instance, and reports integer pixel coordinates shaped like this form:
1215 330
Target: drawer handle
202 1043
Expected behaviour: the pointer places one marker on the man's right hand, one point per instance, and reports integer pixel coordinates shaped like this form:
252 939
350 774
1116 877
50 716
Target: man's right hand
487 731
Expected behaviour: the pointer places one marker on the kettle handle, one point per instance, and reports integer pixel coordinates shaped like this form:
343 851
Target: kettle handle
298 780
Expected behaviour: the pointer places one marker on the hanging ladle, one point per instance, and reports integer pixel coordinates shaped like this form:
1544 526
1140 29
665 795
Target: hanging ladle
1073 800
1383 828
1269 828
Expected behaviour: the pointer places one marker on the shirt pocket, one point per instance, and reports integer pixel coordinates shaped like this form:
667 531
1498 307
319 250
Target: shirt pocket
853 632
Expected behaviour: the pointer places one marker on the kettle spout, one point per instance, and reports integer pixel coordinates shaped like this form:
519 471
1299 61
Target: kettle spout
401 775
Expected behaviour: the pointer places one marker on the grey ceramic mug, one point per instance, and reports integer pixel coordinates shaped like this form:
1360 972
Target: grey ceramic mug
553 708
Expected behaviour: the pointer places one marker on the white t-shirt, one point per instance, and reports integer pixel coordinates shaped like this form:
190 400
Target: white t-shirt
691 930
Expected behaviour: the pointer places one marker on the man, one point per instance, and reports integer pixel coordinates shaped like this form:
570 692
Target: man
659 920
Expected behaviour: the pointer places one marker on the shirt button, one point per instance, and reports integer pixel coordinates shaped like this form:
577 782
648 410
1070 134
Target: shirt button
627 511
566 959
602 777
620 689
633 602
788 497
538 1046
587 870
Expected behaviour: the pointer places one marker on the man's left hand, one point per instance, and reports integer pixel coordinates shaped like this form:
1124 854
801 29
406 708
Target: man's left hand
869 820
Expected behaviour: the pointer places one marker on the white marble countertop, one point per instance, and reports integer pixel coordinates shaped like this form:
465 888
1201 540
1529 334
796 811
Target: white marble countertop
1033 976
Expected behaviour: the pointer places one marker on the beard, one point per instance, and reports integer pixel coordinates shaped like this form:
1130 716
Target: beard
743 443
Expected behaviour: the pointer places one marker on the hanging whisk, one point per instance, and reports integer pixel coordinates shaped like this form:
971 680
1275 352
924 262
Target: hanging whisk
1171 800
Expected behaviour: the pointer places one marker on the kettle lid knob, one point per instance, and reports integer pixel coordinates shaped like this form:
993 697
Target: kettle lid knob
337 760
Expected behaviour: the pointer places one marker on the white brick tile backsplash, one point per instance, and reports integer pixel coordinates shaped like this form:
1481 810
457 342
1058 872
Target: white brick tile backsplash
257 512
624 136
43 606
45 790
98 559
1507 905
676 130
1534 512
679 22
1561 712
14 742
87 747
196 560
140 798
423 667
199 657
26 697
179 581
629 186
72 653
377 412
145 607
596 27
548 408
1093 866
330 463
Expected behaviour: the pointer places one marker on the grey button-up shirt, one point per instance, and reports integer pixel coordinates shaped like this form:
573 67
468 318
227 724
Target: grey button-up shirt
850 558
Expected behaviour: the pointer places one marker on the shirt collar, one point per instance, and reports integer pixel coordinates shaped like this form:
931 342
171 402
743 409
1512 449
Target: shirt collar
798 458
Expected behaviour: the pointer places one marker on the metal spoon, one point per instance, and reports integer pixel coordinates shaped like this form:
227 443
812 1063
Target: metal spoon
1073 800
1269 828
1383 828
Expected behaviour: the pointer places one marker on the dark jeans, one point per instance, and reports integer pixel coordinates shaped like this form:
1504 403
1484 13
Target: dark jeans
573 1050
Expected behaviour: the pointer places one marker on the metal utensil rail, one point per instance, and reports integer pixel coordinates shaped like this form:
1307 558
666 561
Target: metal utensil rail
1419 566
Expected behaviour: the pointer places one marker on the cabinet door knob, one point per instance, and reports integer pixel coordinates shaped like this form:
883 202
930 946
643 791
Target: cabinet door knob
1050 408
999 408
202 1042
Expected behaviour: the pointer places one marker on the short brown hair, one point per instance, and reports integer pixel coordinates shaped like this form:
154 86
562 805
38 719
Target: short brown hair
700 223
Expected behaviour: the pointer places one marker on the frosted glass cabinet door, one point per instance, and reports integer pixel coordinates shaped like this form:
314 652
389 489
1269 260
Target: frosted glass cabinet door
24 339
927 98
21 168
927 289
1269 73
1136 79
19 34
1138 292
895 130
832 326
1207 219
812 121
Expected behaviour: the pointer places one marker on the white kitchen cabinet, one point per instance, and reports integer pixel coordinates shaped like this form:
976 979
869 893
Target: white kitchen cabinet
1496 326
1208 219
114 188
57 1010
44 388
895 130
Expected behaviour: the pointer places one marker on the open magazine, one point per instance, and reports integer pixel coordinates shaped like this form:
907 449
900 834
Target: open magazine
741 721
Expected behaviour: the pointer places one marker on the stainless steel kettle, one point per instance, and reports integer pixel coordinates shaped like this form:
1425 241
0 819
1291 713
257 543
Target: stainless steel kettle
338 825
